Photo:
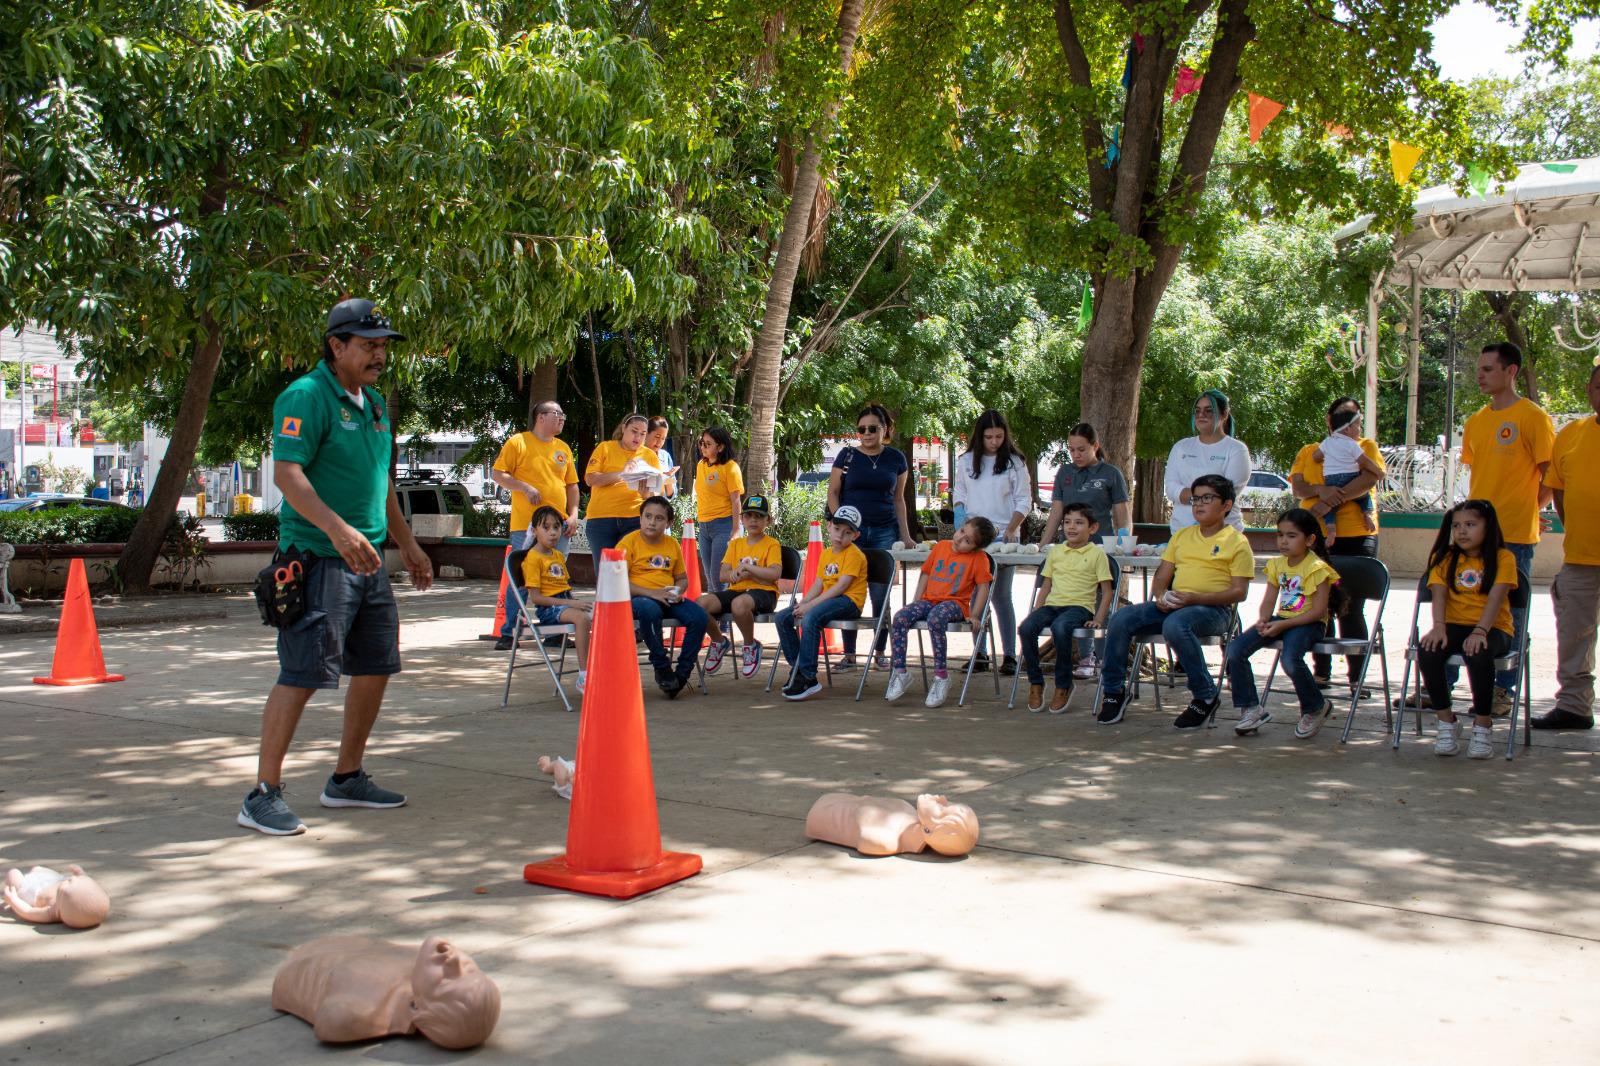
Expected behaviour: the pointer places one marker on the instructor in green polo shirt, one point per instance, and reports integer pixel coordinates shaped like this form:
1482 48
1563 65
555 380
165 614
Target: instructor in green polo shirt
331 450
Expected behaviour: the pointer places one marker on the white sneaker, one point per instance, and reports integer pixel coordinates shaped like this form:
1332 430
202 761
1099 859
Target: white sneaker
899 681
937 693
1087 666
751 661
583 680
1448 742
1252 719
715 653
1481 746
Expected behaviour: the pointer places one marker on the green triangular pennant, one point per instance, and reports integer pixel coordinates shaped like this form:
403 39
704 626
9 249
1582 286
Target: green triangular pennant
1086 309
1478 180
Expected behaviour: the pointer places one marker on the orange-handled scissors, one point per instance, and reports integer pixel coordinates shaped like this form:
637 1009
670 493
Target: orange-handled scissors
285 574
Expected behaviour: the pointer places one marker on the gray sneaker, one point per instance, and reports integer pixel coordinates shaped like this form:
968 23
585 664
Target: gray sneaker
265 812
359 791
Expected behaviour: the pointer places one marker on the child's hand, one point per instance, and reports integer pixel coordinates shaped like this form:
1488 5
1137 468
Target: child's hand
1434 639
1270 628
802 607
1475 643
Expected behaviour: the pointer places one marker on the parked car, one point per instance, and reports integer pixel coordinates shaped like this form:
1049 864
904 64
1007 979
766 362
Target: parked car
55 501
1264 489
813 477
426 495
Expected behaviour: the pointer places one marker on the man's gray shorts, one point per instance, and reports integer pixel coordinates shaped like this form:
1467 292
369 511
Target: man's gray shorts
351 627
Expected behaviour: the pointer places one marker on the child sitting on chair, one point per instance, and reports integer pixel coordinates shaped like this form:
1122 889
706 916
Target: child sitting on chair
839 591
1074 592
547 585
953 570
656 580
750 570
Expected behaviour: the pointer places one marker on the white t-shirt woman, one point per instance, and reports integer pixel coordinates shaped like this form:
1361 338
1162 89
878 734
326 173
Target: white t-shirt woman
1210 451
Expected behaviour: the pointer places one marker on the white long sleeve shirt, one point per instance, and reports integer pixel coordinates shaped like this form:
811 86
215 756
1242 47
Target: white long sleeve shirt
1190 458
994 496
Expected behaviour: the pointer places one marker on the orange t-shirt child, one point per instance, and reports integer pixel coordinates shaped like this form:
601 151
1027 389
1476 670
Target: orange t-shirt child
953 576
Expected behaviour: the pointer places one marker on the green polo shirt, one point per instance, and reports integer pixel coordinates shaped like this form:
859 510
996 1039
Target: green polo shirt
344 450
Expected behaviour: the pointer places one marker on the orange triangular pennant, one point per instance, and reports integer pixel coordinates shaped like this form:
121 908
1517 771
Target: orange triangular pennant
1262 111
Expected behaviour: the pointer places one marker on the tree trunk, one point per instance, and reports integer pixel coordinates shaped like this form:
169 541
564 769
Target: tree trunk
594 365
144 543
542 384
1507 308
1149 494
767 360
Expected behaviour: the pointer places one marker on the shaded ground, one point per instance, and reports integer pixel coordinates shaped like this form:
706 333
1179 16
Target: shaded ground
1139 894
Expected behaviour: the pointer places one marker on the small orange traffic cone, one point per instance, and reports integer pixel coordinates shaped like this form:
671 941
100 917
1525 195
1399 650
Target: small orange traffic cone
499 601
830 637
613 828
691 564
78 660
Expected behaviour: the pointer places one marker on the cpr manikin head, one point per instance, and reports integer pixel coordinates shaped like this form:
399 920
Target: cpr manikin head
43 896
455 1005
950 828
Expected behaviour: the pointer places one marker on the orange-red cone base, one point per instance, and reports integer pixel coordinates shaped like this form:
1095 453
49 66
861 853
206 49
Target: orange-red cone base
620 884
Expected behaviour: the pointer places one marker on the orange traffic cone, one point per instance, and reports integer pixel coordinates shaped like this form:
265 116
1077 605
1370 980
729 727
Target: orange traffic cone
78 660
499 601
691 563
613 828
830 637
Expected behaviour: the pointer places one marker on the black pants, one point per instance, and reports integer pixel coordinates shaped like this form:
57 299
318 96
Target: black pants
1352 625
1480 668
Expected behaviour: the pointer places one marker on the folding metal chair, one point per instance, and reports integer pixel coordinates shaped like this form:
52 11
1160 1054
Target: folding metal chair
1516 658
1362 579
1081 632
791 572
525 619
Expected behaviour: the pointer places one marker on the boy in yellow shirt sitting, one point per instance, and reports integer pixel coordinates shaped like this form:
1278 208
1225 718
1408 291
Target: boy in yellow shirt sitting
547 585
749 576
656 580
1074 592
1205 570
839 591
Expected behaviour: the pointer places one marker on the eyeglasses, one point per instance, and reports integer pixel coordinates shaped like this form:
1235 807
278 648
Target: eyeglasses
554 414
1206 498
864 430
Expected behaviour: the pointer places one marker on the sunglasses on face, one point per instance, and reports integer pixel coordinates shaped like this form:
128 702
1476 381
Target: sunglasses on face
864 430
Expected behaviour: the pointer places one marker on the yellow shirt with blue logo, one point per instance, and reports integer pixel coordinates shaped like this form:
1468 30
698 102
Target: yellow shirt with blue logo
546 574
652 566
850 562
1208 564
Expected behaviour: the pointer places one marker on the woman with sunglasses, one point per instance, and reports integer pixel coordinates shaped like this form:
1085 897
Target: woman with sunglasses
871 477
1212 450
622 471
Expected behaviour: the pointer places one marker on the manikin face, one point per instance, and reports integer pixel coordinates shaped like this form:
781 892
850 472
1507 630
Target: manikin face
633 434
950 828
454 1003
653 521
359 359
1492 377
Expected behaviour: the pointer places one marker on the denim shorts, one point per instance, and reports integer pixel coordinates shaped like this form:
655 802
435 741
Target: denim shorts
547 615
351 628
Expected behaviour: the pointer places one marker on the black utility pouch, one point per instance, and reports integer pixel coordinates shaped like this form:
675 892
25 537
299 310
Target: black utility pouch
281 588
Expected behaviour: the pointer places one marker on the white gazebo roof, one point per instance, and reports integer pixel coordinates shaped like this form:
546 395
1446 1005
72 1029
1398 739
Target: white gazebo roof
1539 233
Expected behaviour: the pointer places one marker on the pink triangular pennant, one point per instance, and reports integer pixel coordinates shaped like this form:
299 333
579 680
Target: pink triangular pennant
1188 81
1262 111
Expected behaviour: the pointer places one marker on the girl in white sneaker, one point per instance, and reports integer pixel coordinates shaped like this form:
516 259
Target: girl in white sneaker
1470 577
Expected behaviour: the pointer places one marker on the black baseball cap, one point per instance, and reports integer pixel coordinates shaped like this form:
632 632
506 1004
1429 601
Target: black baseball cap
359 318
756 505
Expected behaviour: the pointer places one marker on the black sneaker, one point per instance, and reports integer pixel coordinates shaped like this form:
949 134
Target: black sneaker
802 687
1112 707
1561 718
664 680
503 644
1197 714
1008 666
981 665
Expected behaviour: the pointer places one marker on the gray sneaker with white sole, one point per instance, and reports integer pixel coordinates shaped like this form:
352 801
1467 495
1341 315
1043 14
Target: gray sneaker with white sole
265 811
359 791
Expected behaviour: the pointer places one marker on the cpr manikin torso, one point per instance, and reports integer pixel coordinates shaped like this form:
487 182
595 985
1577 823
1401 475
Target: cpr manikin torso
355 988
42 895
876 825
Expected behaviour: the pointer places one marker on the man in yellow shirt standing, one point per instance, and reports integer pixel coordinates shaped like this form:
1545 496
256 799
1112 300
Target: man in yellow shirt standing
1508 444
536 467
1574 478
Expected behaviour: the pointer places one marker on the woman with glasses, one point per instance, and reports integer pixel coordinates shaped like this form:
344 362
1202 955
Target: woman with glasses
871 477
622 471
718 486
655 439
1212 450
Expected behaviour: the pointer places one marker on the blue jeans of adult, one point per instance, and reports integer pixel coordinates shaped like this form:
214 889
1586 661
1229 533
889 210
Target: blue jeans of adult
1297 642
881 537
1005 608
604 533
714 534
647 615
1060 621
1182 629
800 643
523 538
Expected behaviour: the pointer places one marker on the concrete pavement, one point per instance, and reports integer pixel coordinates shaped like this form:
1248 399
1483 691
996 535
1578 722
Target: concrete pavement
1139 894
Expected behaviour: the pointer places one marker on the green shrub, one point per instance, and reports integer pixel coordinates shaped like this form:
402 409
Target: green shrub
252 525
484 520
68 525
794 508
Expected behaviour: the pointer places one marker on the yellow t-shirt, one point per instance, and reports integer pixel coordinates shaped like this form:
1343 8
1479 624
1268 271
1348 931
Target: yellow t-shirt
1208 564
1464 603
1297 584
767 553
851 563
547 467
714 489
618 499
546 574
1348 521
652 566
1575 470
1075 575
1504 449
